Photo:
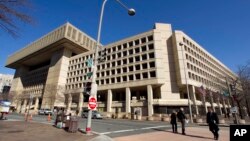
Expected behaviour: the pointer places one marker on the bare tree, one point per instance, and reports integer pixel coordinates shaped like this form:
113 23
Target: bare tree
10 12
244 78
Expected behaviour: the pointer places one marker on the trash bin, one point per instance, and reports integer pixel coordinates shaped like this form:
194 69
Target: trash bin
73 124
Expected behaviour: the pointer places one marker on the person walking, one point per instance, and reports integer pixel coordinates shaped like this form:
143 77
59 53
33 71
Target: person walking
213 121
182 118
173 121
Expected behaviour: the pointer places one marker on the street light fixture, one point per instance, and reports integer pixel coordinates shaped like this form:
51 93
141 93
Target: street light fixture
93 91
189 104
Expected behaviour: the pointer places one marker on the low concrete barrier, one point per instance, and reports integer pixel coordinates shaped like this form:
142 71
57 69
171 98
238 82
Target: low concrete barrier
150 118
198 120
242 121
167 119
221 121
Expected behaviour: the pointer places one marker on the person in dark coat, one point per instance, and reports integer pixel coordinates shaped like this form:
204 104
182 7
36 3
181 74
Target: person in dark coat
213 121
182 118
173 121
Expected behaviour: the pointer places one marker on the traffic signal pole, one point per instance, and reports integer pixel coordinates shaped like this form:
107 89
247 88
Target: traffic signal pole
93 91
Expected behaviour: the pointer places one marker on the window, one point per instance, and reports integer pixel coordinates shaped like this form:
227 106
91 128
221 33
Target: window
137 58
124 53
124 69
118 71
143 48
107 81
138 76
145 75
137 42
152 74
130 51
118 79
125 45
130 44
131 77
131 60
137 67
124 78
112 80
143 40
144 57
151 46
118 62
151 55
152 64
131 68
119 47
124 61
137 50
144 66
150 38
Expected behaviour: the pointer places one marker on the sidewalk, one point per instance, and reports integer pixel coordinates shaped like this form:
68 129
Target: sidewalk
193 134
31 131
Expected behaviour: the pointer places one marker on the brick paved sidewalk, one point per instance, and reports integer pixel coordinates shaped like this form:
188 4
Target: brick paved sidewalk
193 134
31 131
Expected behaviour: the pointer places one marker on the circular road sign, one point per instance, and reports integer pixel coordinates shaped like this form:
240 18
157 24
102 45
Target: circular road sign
92 103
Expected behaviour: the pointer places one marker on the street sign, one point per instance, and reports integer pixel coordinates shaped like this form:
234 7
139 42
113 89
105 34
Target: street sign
92 103
90 62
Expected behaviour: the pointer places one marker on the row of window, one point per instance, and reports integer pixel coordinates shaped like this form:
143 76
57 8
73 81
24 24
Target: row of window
109 73
198 53
202 80
122 47
118 79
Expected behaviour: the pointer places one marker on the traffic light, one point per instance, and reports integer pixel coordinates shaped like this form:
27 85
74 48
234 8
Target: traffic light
87 88
232 87
102 55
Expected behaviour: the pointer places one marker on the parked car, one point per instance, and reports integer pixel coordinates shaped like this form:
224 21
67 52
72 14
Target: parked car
45 112
95 114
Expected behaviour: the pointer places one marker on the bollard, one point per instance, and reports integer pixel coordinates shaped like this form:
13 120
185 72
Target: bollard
49 118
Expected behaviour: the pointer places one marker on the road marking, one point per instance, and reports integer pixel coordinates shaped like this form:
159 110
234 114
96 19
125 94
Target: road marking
129 130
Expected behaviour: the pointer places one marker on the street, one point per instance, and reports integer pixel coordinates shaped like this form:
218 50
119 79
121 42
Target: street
117 127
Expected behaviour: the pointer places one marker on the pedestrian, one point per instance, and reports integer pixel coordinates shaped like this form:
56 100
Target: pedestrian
213 121
182 118
173 121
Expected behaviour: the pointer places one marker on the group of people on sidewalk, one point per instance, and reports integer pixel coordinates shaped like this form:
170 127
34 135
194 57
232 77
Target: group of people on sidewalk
212 121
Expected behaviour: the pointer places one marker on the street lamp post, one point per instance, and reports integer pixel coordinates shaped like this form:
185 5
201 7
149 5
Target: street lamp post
93 91
189 104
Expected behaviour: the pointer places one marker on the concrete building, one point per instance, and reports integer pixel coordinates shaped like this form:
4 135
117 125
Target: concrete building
5 80
150 71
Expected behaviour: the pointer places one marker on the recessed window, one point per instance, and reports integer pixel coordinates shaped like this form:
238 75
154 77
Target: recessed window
137 58
114 49
151 55
131 68
130 44
124 53
138 76
107 73
118 79
108 65
113 72
137 50
130 51
131 60
125 46
119 54
118 71
113 56
124 78
144 66
145 75
112 80
152 64
107 81
151 46
113 64
143 48
131 77
150 38
124 69
119 47
124 61
137 42
144 57
102 81
152 74
143 40
118 62
137 67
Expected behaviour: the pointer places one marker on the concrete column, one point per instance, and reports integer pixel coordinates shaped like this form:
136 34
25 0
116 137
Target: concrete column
69 103
211 100
150 100
128 100
36 104
204 102
19 106
224 105
80 103
193 98
24 106
109 101
218 103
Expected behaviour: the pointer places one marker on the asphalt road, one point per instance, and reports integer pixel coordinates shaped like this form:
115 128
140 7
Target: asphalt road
109 127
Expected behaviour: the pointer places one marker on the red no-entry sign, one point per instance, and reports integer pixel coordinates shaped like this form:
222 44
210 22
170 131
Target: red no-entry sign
92 103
